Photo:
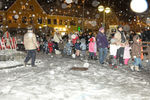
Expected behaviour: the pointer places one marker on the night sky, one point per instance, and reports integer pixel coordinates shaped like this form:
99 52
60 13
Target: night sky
59 7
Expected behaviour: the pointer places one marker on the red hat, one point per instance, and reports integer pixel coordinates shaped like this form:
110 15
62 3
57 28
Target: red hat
91 39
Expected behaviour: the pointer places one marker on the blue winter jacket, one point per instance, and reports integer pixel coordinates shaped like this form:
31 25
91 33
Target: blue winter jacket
77 46
83 46
101 40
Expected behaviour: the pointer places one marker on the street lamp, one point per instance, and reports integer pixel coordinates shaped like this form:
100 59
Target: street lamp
104 10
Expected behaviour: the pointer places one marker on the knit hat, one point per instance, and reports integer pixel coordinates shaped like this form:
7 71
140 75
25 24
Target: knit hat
102 28
119 26
91 39
82 40
29 27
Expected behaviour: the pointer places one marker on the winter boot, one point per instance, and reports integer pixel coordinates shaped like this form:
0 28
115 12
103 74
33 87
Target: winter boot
25 64
95 58
132 67
137 68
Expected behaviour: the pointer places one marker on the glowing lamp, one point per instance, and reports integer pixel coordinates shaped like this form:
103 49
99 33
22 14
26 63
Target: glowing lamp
100 8
139 6
107 10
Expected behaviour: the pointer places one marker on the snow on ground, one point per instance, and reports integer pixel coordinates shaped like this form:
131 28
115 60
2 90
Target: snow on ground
53 80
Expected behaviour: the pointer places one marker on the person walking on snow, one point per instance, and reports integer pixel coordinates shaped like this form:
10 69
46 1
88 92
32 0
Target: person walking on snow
31 45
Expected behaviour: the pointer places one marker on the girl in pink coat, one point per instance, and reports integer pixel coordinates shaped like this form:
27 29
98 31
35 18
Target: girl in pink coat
126 55
92 48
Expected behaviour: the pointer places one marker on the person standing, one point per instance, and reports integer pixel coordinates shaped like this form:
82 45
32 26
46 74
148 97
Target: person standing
136 53
30 44
120 41
57 39
102 45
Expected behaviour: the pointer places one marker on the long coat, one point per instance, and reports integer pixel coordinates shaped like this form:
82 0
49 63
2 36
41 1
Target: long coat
57 37
30 42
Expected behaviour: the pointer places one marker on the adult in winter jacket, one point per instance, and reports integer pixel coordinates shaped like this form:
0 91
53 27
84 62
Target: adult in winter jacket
120 41
102 45
30 44
57 39
83 47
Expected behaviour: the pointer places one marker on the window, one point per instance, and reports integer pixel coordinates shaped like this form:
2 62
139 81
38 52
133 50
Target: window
31 20
1 19
24 19
66 22
23 7
9 21
40 20
49 21
73 23
55 22
31 8
60 22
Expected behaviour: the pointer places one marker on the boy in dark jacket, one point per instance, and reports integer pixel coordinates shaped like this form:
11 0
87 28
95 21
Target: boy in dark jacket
77 48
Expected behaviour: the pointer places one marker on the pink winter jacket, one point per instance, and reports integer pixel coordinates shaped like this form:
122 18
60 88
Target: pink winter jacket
127 54
91 47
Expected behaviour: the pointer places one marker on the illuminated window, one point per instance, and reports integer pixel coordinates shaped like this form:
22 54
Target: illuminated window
23 7
65 22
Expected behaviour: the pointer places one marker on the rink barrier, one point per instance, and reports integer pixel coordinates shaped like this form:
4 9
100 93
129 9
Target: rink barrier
145 44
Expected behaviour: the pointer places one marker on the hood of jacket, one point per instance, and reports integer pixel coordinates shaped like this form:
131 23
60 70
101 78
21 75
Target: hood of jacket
135 39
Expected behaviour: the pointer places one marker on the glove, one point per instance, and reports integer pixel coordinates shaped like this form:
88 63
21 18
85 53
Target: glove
38 49
147 61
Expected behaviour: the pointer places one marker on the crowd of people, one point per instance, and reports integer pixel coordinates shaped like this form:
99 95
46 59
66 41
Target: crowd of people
115 51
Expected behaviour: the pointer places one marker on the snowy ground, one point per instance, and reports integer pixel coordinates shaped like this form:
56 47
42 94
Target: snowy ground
53 80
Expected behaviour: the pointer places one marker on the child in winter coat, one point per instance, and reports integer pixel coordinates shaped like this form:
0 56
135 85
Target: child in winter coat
45 47
91 48
50 46
77 48
95 48
136 53
126 55
83 47
113 52
68 48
